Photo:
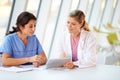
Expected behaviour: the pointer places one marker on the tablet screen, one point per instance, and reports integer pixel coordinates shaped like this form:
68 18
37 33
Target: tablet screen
54 63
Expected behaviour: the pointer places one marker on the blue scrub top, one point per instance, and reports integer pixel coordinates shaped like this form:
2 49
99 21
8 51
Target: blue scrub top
14 46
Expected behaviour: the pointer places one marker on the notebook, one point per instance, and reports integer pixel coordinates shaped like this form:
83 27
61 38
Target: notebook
56 63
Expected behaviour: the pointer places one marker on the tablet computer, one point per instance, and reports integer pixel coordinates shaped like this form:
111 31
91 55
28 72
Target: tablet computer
55 63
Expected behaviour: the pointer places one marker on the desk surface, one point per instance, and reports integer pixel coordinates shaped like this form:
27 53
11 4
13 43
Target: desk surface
100 72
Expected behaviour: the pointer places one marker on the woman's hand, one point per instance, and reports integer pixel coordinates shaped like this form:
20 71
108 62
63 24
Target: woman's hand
36 64
40 60
69 65
32 59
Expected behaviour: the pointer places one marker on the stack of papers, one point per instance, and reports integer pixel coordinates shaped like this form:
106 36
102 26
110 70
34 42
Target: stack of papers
15 69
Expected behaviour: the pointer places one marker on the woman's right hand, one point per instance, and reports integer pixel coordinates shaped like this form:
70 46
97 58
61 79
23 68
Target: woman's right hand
34 60
39 60
69 65
36 64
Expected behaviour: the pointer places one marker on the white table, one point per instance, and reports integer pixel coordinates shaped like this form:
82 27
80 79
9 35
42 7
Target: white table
100 72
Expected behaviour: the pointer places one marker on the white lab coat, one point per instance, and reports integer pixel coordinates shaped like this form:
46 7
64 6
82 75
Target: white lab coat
86 48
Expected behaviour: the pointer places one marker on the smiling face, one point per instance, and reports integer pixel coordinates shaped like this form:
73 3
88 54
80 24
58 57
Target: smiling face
29 28
73 25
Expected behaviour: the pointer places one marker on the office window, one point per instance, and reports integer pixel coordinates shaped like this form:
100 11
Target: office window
32 6
5 9
89 10
101 13
115 21
51 24
74 4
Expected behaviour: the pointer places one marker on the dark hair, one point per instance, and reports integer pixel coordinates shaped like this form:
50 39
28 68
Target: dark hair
22 20
79 16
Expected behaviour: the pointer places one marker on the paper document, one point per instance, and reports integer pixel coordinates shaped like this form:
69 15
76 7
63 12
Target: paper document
15 69
41 67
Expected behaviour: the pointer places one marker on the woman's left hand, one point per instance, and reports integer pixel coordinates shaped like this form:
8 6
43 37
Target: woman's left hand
69 65
36 64
40 60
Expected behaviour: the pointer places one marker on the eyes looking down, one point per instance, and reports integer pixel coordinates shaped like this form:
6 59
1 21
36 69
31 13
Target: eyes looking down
73 25
28 28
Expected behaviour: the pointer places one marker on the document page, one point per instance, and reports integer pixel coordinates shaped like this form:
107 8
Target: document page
15 69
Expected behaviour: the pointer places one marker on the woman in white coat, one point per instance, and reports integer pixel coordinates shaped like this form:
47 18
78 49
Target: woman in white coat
78 44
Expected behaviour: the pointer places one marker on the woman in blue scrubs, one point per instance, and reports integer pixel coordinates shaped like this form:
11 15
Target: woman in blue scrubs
21 46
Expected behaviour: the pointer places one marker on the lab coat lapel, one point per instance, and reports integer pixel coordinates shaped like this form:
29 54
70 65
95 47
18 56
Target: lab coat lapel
81 45
68 46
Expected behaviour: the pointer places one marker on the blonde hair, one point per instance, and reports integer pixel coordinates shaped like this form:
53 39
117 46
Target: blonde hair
80 17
